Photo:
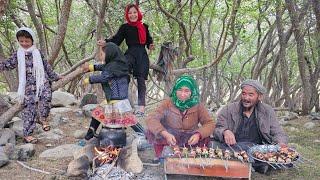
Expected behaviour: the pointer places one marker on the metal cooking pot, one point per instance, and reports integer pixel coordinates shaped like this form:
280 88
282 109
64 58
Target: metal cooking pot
113 136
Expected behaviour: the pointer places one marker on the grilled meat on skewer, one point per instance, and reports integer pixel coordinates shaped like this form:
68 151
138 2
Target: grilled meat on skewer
227 154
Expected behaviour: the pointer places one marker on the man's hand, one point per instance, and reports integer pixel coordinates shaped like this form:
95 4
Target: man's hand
101 42
229 137
171 140
194 139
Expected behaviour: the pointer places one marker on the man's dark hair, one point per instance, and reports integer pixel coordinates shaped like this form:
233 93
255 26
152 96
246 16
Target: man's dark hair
23 33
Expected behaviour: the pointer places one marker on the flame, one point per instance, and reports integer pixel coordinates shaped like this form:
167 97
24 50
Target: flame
106 154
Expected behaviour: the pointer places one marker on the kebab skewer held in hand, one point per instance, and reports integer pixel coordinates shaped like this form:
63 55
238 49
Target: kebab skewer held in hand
185 152
244 155
176 151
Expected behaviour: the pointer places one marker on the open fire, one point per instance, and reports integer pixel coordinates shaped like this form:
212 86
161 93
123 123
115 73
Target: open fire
105 155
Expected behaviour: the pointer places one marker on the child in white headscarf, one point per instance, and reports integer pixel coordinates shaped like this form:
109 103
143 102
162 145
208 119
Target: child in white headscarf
35 78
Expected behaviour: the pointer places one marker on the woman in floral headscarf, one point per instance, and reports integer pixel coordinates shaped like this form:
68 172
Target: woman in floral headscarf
176 120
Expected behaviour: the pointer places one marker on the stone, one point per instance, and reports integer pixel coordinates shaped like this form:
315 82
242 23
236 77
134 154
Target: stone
49 135
88 109
79 134
283 122
58 120
293 129
25 151
317 141
78 112
13 97
60 152
4 103
7 136
309 125
78 167
3 158
17 127
63 99
9 149
87 150
89 99
314 116
60 110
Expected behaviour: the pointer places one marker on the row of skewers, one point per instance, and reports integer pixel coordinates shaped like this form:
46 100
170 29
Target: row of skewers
283 155
205 152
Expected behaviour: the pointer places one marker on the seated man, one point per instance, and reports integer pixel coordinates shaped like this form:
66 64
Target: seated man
248 122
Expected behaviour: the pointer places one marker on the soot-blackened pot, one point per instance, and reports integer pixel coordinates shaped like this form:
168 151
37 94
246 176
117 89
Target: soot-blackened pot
113 136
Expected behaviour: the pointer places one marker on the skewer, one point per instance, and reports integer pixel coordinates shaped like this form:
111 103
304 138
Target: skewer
234 154
271 165
294 165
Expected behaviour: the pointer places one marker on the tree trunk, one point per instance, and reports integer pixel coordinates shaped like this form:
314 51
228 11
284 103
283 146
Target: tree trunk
315 93
3 7
282 58
37 24
10 76
299 37
62 29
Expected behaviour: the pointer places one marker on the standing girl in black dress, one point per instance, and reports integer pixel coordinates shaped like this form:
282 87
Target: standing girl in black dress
137 37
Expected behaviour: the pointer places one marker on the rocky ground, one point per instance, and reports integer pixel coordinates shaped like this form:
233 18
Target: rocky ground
57 148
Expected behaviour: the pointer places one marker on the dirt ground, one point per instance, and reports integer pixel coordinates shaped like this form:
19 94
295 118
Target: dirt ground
302 140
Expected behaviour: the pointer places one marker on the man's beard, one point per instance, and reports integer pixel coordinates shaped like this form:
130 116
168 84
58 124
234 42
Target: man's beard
249 108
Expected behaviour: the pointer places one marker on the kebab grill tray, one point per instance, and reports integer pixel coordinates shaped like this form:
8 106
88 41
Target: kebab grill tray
204 161
274 155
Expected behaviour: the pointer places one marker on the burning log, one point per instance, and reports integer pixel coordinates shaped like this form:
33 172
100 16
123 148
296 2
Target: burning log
105 155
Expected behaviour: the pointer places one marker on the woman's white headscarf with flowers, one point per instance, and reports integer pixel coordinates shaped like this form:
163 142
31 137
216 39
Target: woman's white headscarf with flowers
38 69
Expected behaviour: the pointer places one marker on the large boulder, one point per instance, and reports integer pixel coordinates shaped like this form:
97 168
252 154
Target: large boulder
87 109
23 152
13 97
54 134
78 167
7 136
4 103
79 134
87 150
309 125
63 99
3 158
58 120
60 152
17 126
60 110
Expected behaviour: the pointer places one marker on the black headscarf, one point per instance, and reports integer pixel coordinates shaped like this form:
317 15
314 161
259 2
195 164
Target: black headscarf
115 61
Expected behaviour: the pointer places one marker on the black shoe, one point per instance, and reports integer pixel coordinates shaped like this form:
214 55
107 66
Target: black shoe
90 134
263 169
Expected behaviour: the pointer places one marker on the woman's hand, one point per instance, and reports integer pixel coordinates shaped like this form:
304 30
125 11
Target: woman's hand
171 140
151 47
60 77
85 67
194 139
229 137
101 42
